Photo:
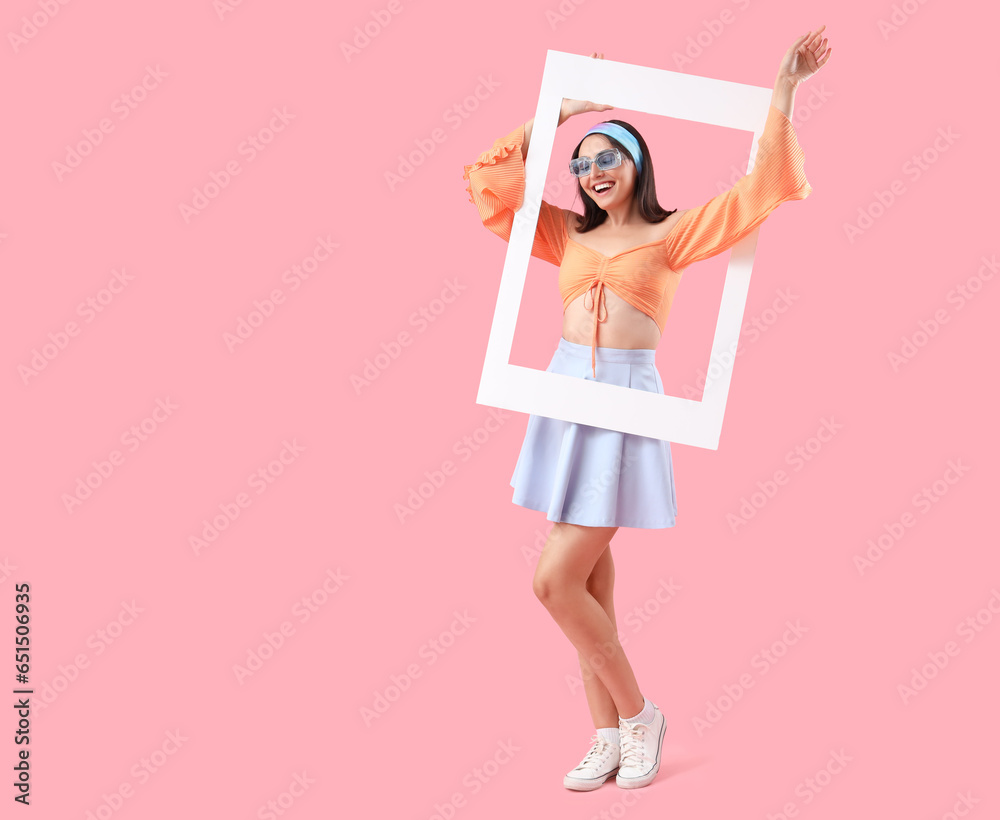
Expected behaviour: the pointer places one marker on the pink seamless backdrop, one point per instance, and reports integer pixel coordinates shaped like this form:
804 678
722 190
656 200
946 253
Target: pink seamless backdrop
356 635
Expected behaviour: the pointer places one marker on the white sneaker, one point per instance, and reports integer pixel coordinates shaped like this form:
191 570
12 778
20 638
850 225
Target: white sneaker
641 745
599 764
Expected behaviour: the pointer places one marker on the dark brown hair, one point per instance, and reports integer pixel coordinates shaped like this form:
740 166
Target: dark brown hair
644 190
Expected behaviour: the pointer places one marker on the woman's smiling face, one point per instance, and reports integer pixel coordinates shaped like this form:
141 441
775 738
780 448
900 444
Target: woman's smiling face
622 178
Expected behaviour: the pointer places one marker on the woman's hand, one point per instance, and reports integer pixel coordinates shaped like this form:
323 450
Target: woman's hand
800 61
572 107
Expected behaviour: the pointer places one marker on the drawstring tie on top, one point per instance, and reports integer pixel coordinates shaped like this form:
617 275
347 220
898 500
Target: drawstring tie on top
599 284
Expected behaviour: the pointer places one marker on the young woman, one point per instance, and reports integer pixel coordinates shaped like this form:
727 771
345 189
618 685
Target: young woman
619 267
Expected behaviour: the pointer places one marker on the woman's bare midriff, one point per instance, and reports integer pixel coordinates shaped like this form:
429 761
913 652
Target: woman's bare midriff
626 326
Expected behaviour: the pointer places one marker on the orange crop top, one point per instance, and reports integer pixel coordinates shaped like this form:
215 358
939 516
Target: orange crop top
647 275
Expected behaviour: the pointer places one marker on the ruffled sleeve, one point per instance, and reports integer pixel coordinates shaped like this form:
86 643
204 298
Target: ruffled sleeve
496 188
778 175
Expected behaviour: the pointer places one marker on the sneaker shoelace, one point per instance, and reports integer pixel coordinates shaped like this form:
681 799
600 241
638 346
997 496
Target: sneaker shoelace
632 736
596 754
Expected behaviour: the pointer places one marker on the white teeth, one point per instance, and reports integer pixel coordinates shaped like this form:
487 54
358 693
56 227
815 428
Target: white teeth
603 186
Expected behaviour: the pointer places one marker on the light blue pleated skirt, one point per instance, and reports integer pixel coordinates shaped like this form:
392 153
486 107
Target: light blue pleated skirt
589 475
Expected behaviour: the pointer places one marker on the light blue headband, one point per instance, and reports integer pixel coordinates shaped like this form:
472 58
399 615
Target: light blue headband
612 129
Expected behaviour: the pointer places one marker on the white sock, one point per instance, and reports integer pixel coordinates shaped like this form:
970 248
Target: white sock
645 716
610 735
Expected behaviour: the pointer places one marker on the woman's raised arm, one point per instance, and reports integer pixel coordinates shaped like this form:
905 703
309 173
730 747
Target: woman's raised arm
799 64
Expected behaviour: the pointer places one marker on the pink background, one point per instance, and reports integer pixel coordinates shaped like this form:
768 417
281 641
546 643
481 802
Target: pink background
140 714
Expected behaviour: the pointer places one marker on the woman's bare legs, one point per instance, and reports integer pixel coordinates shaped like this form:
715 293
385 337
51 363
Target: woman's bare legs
562 583
601 585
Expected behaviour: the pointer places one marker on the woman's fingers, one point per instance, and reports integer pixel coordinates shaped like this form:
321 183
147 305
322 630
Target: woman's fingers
819 49
816 33
817 44
813 49
808 39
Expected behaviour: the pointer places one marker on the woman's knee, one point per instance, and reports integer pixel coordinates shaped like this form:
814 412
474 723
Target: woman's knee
555 582
550 586
567 561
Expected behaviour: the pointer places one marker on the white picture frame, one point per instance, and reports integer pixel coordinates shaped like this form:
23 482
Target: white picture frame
584 401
